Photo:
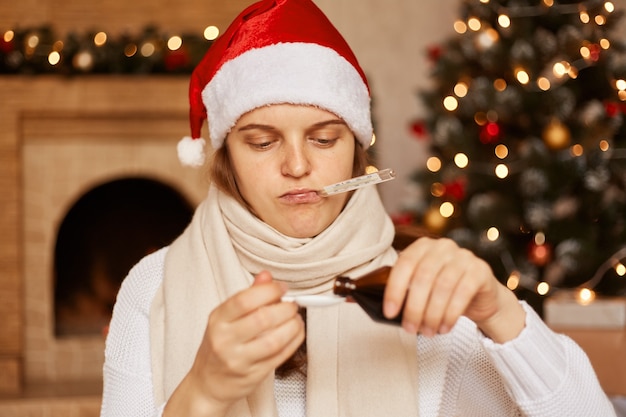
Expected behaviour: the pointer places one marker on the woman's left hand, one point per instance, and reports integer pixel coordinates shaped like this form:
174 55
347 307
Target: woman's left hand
441 282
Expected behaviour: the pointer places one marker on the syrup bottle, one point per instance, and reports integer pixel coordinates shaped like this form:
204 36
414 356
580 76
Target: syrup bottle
367 291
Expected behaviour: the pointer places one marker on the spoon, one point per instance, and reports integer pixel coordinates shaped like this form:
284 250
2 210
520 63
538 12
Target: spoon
314 300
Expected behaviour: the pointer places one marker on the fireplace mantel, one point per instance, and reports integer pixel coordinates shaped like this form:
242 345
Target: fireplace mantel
58 137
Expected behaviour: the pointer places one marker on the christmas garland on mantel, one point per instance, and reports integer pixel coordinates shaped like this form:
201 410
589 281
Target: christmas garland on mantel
39 50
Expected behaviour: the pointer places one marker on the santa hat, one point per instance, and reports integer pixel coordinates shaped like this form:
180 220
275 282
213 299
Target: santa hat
275 52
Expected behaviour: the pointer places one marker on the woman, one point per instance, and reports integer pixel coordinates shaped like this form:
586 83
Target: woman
199 328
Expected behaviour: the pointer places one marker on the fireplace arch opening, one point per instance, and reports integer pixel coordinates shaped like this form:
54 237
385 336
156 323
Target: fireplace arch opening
104 233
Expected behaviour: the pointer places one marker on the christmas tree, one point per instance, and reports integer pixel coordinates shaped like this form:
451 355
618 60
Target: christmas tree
528 148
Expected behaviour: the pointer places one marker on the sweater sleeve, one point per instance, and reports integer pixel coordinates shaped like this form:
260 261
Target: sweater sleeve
128 389
547 374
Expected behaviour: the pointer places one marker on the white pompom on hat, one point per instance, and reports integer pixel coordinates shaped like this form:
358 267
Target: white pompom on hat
275 52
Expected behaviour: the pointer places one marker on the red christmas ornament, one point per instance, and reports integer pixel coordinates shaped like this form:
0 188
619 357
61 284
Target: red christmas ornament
418 129
612 109
594 52
176 60
6 47
434 53
490 133
455 189
539 255
402 218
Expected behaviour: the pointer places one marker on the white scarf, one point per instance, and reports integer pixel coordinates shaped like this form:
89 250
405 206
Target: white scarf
355 367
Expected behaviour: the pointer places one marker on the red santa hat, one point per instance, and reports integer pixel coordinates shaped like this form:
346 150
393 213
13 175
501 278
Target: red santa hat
275 52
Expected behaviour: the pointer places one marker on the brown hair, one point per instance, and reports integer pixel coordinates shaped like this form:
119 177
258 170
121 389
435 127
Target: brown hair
221 173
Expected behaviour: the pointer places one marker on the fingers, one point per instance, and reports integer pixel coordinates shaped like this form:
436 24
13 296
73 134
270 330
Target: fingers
438 282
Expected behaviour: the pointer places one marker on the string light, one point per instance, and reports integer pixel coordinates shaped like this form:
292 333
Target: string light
450 103
174 43
211 33
433 164
543 288
100 39
461 160
446 209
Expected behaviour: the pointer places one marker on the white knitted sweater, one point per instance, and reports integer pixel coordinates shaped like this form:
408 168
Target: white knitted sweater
539 374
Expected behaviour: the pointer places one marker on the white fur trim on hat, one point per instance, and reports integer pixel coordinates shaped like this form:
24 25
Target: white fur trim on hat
191 151
295 73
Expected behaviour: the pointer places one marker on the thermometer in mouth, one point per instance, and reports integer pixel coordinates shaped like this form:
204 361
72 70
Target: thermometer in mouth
358 182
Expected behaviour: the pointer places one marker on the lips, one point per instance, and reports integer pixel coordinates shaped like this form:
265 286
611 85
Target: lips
301 197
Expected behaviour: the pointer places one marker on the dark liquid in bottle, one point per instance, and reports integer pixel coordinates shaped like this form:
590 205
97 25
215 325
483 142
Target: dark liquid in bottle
368 292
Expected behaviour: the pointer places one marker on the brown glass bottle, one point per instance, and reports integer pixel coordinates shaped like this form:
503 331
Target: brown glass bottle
367 291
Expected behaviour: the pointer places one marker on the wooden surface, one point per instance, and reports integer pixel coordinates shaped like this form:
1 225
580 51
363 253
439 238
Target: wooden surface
607 352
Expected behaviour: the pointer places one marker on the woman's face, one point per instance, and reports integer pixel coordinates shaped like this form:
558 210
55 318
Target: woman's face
281 155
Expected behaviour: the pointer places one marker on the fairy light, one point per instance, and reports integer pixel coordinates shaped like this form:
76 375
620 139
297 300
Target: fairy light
540 238
620 84
600 20
32 41
100 39
373 141
604 145
559 69
460 89
433 164
543 83
211 33
605 43
487 38
502 171
147 49
130 50
8 36
584 17
499 84
512 282
480 118
585 296
585 52
501 151
572 72
493 234
609 7
460 27
174 43
54 58
620 269
446 209
461 160
522 76
577 150
437 189
450 103
621 95
504 21
548 3
543 288
474 24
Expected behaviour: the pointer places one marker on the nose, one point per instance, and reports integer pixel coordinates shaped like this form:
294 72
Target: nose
296 162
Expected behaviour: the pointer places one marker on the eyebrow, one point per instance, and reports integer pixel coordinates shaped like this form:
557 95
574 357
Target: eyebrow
318 125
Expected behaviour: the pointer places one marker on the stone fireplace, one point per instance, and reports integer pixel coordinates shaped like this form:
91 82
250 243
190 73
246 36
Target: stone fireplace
61 138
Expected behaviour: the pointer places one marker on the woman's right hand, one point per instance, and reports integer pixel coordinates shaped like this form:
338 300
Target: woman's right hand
247 337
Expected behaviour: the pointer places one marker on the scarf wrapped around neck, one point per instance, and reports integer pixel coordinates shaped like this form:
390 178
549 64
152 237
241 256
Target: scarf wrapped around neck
356 367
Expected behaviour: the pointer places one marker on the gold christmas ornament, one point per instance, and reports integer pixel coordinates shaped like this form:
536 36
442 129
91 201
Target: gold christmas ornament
556 135
434 221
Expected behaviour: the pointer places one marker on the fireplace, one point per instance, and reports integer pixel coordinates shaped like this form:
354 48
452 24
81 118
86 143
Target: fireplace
64 141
